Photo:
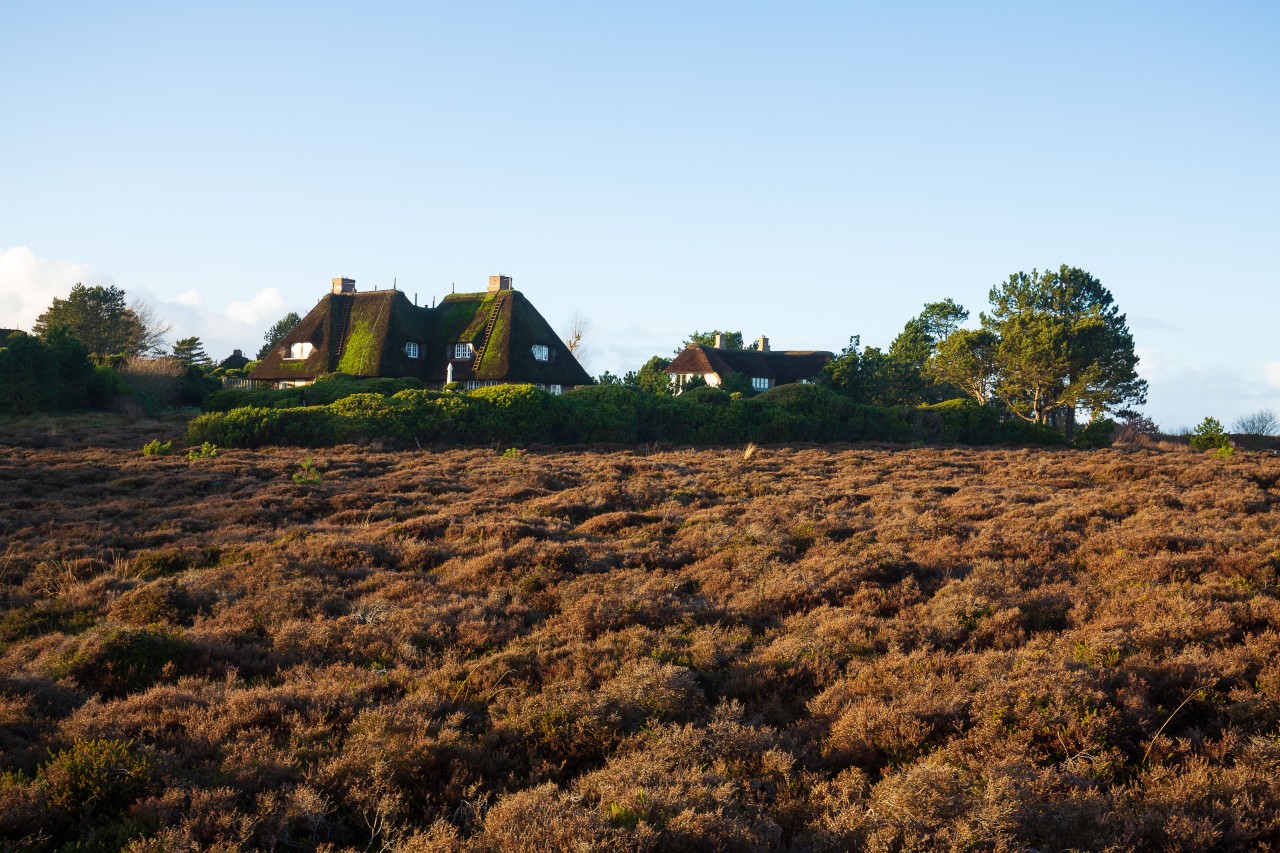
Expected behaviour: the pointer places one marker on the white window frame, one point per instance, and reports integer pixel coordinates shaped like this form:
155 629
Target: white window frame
473 384
557 390
760 383
541 352
411 349
463 351
300 351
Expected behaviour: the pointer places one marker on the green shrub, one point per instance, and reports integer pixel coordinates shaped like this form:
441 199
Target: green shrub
105 385
594 414
255 427
1098 433
114 661
308 474
513 413
204 451
1208 435
155 448
94 778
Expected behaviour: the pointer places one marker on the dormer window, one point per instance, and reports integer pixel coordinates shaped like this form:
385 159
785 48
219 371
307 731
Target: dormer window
760 383
302 350
411 349
463 350
541 352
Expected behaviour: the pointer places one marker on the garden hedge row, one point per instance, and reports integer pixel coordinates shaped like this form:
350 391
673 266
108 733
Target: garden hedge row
606 414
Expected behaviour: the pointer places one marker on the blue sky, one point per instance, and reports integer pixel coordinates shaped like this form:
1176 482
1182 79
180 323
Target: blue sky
809 171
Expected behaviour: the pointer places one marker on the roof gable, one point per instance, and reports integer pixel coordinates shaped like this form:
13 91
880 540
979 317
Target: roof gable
782 366
364 334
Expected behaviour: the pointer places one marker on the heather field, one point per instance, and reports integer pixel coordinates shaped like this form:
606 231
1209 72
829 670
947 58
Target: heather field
800 648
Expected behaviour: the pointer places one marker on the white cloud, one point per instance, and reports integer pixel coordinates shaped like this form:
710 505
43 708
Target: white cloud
28 285
267 305
1273 374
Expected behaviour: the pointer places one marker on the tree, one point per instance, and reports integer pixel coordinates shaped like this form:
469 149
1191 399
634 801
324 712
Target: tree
1261 423
863 374
151 332
1063 347
578 328
99 318
276 333
909 383
190 351
652 377
1208 435
965 359
608 378
732 340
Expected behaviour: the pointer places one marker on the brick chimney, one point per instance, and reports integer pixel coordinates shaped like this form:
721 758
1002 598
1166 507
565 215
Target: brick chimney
344 285
762 344
499 282
719 344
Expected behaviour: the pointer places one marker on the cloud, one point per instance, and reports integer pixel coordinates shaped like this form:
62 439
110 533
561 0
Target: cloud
1273 374
267 305
28 285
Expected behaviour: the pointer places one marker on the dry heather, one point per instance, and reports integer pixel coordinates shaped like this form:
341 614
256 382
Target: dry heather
806 649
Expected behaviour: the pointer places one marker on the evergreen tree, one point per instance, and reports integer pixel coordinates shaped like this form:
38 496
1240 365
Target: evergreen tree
276 333
99 318
190 351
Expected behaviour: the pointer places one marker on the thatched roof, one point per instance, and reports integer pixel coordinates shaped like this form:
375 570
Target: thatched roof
364 334
506 353
780 366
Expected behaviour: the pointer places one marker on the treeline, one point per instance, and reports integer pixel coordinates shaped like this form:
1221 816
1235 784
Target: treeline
1052 349
53 374
93 350
606 414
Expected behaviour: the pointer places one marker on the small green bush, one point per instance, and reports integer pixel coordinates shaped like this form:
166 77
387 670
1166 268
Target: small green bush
204 451
93 778
155 448
308 475
1098 433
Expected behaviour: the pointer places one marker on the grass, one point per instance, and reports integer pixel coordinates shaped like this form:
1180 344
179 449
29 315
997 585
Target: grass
826 648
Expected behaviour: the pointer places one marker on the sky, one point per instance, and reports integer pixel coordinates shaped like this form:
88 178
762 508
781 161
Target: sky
808 171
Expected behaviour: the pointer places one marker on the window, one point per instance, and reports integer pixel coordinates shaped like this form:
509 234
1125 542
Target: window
472 384
541 352
463 350
555 389
760 383
302 350
411 349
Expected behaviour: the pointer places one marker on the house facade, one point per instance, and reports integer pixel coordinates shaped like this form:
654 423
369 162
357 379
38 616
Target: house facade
474 339
765 368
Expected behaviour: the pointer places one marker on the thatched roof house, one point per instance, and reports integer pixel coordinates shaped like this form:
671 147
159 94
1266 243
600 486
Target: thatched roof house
475 339
765 368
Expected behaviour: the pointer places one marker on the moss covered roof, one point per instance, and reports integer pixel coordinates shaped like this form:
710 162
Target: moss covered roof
364 334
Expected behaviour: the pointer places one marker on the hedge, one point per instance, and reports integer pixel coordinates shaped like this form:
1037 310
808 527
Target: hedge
521 414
